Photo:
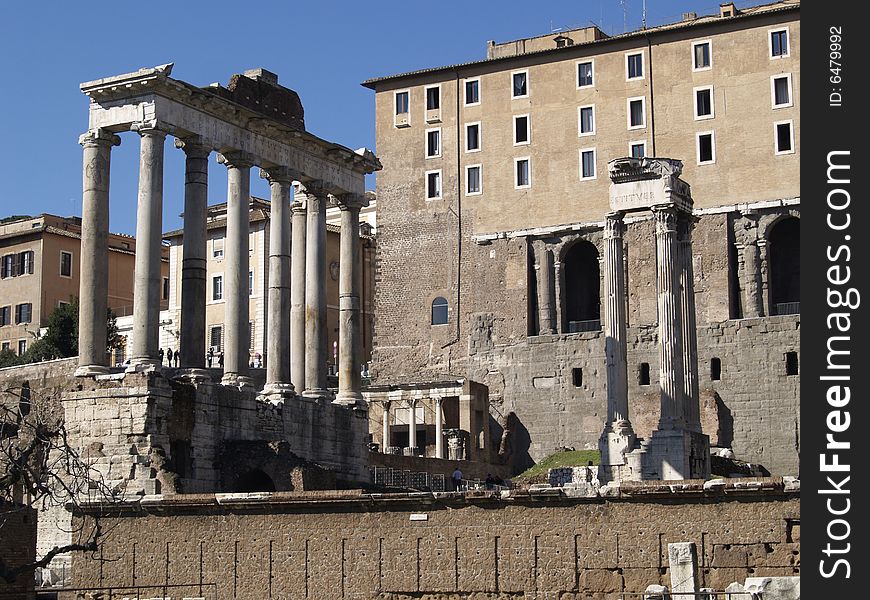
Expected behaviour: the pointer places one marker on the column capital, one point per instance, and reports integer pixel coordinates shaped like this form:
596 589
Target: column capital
152 127
614 225
193 146
666 218
314 187
99 137
285 175
351 201
237 159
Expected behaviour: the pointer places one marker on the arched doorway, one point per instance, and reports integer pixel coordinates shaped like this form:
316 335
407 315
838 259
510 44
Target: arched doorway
784 239
582 288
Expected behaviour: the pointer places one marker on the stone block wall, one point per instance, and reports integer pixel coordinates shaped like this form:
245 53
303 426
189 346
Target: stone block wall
17 547
447 546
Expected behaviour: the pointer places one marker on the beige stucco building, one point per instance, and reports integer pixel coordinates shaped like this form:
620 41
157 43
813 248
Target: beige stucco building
491 208
40 270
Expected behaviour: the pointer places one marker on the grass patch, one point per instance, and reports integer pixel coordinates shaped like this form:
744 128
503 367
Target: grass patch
572 458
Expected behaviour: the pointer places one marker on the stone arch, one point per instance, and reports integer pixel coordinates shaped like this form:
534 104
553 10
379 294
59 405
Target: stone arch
254 480
582 286
783 238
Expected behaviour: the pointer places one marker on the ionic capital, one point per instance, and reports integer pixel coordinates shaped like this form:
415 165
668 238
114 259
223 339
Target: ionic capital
193 147
152 127
351 201
284 175
237 159
99 137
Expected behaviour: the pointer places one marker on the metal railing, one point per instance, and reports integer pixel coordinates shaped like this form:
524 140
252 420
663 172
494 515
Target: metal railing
582 326
787 308
405 478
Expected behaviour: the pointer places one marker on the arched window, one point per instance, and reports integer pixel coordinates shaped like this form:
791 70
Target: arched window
785 266
582 288
439 311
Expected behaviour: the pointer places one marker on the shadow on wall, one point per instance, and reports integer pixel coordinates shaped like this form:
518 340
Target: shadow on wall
514 442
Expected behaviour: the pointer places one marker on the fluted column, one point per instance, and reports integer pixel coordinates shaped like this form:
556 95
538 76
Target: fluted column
278 325
439 429
147 284
297 292
94 260
315 293
385 434
615 344
687 319
412 427
236 267
349 300
671 377
194 256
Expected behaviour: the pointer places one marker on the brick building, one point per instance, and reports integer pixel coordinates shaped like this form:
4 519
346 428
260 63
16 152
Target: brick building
491 206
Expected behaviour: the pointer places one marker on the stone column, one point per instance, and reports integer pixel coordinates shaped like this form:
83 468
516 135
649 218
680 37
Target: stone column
236 267
763 276
148 282
297 292
349 301
439 429
615 344
94 261
194 257
687 319
412 427
545 291
278 323
671 378
315 293
385 434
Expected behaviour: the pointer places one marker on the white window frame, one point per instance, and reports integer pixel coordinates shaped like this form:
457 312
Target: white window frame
642 65
407 114
580 132
426 144
479 136
776 150
628 102
773 78
712 160
528 84
465 91
479 179
60 265
636 143
214 241
528 130
709 43
577 73
594 164
21 350
211 298
695 91
426 97
770 33
516 161
440 185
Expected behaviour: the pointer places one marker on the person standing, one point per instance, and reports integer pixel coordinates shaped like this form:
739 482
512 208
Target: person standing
209 357
169 357
457 479
160 355
177 354
221 359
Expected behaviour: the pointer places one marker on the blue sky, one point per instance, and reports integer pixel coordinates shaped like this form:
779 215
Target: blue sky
323 50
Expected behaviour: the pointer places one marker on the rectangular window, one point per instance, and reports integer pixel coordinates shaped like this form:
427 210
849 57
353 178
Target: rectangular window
166 288
23 313
637 149
472 92
217 287
22 347
251 336
586 117
585 74
520 84
521 130
780 90
217 247
7 266
587 164
779 43
784 137
65 264
4 346
704 102
433 97
5 315
523 173
433 184
250 283
402 102
25 262
216 338
472 180
636 113
706 147
433 143
701 60
634 66
472 137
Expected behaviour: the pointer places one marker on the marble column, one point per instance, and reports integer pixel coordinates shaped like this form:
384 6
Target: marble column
687 319
439 429
615 344
236 267
349 301
412 427
94 262
194 257
297 291
385 434
315 294
671 376
148 282
278 324
545 291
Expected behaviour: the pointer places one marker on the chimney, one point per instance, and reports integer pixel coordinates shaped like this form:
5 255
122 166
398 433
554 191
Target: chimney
727 9
690 16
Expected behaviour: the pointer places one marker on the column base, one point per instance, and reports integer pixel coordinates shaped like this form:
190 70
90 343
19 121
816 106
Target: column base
243 382
675 454
616 442
317 395
277 392
194 375
143 365
351 398
91 370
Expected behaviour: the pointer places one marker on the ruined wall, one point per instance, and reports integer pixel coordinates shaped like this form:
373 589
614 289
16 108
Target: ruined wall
351 546
17 547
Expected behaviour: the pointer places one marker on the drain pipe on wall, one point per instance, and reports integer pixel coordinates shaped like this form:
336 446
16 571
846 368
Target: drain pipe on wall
652 104
458 213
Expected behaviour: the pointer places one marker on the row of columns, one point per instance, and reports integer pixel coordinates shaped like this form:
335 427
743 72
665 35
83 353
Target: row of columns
296 330
412 426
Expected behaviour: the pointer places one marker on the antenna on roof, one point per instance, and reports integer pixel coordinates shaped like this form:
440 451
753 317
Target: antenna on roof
624 5
644 14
